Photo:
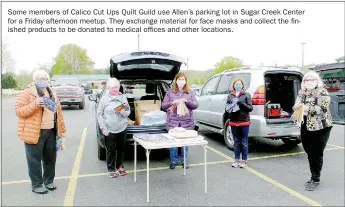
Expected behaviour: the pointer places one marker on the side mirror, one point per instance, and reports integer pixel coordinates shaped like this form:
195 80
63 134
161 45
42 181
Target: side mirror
93 97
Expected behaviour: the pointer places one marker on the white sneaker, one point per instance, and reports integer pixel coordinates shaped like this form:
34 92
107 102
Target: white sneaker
243 164
235 164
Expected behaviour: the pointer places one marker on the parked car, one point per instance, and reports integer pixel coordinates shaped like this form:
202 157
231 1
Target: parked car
87 88
153 71
265 85
70 92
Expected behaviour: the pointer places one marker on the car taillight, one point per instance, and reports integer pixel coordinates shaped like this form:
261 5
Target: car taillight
259 96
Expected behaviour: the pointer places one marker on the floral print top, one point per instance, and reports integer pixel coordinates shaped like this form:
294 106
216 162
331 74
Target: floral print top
319 114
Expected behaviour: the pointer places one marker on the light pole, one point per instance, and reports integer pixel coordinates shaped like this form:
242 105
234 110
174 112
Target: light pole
187 67
303 43
138 41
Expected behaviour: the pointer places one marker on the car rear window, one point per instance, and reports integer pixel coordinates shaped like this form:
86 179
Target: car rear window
246 77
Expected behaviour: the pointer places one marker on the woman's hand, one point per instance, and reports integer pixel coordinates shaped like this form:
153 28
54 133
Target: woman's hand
39 102
184 100
105 132
175 102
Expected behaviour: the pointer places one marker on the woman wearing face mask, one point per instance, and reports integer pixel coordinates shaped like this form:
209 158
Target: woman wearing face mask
317 123
112 113
239 104
39 126
179 92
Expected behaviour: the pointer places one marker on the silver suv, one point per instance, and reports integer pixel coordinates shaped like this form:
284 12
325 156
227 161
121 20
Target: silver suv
266 85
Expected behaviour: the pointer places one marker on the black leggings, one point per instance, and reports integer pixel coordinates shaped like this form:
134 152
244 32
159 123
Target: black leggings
314 143
115 148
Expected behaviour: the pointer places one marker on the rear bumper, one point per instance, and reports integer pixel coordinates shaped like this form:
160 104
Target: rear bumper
70 100
260 128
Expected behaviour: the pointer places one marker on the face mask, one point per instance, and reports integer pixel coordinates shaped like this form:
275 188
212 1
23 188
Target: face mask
42 84
181 83
114 91
238 87
310 85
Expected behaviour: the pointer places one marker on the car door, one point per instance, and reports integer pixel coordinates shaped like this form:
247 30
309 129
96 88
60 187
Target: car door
218 100
202 113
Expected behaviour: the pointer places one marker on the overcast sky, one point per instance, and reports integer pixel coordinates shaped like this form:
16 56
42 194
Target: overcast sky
322 29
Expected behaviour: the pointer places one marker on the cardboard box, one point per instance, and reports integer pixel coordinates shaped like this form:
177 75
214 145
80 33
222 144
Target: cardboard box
143 107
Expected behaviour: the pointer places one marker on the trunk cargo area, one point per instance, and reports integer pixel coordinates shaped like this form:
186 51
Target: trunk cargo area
281 89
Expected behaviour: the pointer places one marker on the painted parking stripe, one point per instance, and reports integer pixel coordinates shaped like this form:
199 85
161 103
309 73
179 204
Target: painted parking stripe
271 181
165 168
332 145
72 185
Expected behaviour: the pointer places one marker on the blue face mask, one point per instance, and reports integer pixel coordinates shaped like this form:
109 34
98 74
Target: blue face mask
238 87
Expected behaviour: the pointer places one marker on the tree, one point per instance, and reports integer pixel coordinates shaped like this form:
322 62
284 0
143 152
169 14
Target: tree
23 78
72 59
8 81
7 61
227 63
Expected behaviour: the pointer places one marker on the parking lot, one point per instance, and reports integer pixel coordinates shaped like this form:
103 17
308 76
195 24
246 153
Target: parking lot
275 176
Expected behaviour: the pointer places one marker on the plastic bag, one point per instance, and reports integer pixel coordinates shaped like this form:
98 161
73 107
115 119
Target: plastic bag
60 144
153 118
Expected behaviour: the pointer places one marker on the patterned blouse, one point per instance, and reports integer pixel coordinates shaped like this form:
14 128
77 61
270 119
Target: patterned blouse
319 114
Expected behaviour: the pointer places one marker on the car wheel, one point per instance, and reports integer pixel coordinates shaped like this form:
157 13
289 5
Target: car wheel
228 139
82 105
292 141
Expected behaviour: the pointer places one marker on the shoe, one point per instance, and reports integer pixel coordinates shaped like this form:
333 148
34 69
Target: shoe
122 170
40 190
186 166
243 164
51 187
172 166
235 164
112 174
312 185
308 182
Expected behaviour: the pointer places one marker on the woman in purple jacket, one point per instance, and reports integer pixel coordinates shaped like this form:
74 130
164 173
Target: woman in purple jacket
179 92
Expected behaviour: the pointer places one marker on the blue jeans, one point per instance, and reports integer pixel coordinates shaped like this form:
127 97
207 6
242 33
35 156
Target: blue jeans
174 156
240 135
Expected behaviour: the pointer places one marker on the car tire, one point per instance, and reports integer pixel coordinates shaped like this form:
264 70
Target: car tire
292 142
228 139
82 105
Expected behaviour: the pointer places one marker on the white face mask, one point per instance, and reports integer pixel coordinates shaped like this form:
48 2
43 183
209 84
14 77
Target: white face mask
181 83
310 85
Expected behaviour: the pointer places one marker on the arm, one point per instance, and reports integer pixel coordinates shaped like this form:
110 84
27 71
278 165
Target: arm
322 105
100 112
192 104
24 108
247 105
166 102
125 113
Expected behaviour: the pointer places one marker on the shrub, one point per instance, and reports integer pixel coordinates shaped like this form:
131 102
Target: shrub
8 81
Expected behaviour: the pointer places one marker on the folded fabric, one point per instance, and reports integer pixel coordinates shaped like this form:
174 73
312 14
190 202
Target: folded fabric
180 107
297 116
48 103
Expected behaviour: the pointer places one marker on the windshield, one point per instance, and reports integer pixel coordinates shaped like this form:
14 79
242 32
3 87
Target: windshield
73 82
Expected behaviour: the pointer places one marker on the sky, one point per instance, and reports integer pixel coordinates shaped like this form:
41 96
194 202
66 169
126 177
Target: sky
321 28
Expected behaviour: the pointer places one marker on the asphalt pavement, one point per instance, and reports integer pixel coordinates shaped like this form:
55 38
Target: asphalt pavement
275 176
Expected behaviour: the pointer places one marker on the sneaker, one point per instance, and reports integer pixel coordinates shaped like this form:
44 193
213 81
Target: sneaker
186 166
112 174
121 170
172 166
40 190
312 185
51 187
243 164
235 164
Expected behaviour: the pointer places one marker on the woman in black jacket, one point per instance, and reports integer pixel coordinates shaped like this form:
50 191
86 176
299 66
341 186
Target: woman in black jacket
239 104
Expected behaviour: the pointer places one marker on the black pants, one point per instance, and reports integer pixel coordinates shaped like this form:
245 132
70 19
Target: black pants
314 143
115 147
44 150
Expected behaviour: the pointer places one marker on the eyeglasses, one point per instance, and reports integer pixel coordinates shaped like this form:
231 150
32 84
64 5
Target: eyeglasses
309 80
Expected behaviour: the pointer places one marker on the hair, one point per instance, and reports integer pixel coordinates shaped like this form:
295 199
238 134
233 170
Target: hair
113 82
314 75
243 86
186 88
40 74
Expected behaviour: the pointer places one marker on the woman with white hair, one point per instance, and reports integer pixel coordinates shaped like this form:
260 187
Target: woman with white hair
40 124
314 102
112 113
